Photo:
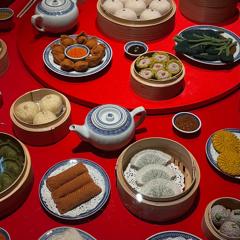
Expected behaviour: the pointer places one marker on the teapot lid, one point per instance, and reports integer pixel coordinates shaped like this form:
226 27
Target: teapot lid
109 119
54 6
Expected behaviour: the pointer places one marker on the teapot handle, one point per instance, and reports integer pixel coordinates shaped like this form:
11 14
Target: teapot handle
35 22
138 110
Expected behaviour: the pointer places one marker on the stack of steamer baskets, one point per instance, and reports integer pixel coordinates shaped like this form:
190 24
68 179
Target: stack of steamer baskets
158 209
142 30
208 11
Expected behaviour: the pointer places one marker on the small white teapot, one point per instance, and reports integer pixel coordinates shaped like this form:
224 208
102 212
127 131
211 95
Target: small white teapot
109 127
55 16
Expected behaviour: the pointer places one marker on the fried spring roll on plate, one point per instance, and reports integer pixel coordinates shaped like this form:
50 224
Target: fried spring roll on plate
72 185
58 180
78 197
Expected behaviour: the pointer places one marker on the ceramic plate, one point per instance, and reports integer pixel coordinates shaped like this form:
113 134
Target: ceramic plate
5 234
170 235
55 231
86 209
48 60
212 154
226 33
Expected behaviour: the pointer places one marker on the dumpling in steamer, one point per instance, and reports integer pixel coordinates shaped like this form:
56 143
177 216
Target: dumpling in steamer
44 117
149 14
136 5
153 171
173 67
162 6
26 111
126 13
52 103
150 156
111 6
146 73
160 188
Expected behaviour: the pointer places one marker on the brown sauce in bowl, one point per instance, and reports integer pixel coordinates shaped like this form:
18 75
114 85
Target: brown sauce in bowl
186 122
5 15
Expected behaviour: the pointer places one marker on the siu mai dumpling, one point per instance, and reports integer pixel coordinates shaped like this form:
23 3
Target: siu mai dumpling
52 103
149 14
44 117
160 188
111 6
162 6
26 111
126 13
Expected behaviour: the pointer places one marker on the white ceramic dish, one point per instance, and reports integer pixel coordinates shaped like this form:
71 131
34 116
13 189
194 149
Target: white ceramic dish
51 65
55 231
86 209
212 154
173 235
184 131
226 33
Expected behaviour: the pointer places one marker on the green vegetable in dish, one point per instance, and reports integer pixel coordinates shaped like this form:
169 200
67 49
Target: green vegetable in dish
206 45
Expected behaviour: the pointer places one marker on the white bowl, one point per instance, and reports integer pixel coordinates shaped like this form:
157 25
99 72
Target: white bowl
135 43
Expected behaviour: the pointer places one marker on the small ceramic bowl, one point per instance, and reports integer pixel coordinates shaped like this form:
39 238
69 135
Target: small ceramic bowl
76 46
6 18
4 234
135 48
186 123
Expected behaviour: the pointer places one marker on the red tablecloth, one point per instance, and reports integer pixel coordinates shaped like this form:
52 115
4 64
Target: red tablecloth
30 221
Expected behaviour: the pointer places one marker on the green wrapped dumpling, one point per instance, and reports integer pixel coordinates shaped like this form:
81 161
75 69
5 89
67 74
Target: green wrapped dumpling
147 73
5 181
158 66
160 57
162 75
143 62
173 66
7 151
13 167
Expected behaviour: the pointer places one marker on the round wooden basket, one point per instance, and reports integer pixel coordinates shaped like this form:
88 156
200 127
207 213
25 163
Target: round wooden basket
204 11
157 210
210 231
156 90
121 29
3 57
42 134
16 194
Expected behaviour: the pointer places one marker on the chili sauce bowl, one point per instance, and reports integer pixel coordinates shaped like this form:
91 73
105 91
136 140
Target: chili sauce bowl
72 49
6 18
186 123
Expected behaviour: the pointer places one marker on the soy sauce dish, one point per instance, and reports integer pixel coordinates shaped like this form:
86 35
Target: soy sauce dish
135 48
186 123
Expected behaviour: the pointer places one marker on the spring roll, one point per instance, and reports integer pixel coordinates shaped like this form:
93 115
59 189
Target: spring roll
58 180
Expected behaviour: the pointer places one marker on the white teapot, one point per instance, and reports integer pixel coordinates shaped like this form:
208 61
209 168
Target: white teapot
55 16
109 127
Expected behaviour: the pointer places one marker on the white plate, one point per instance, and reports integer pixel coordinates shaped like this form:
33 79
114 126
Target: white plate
86 209
55 231
173 234
48 60
212 154
227 34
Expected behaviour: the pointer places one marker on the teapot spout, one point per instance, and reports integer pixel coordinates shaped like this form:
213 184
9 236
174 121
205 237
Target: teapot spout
81 130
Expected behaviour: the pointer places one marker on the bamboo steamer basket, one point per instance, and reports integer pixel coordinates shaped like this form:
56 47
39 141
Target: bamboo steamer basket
159 210
214 3
157 90
125 30
210 231
12 197
3 58
208 12
43 134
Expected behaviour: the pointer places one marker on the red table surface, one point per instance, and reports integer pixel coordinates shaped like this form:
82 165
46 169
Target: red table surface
198 89
30 221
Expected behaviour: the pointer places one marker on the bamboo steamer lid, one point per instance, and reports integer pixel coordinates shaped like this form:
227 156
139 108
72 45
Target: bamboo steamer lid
3 57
